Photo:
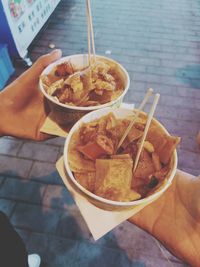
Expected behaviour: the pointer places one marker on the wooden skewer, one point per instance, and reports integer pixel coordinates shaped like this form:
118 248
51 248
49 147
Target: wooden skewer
143 103
89 48
150 116
91 28
88 33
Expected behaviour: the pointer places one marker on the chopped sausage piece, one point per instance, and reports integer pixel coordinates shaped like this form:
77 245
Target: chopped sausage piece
64 69
100 147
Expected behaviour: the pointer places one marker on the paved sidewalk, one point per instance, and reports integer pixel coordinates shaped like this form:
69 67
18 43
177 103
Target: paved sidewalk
158 42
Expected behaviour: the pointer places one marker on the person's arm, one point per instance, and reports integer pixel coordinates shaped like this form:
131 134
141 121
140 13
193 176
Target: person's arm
23 108
174 219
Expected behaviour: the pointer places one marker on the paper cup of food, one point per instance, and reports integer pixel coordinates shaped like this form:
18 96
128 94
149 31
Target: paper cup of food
73 89
105 176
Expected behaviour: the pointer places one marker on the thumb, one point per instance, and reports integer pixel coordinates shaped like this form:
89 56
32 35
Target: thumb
43 61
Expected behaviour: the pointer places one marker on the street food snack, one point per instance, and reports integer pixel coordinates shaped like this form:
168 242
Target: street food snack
84 87
108 173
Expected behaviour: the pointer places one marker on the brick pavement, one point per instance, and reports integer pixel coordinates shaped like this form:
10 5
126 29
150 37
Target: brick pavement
159 44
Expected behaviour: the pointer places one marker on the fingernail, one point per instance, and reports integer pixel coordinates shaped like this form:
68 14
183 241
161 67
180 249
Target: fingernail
56 51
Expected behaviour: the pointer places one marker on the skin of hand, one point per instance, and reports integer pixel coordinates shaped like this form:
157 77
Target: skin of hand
198 139
23 107
174 218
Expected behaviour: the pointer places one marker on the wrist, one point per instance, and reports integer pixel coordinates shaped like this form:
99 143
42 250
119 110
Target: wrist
7 111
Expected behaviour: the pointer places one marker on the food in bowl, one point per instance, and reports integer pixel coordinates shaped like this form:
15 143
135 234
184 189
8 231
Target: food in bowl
105 172
84 87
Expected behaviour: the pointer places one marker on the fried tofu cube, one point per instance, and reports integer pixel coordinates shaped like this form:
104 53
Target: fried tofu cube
113 179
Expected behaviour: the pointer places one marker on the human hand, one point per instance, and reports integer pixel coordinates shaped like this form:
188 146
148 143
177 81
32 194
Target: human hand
23 106
174 219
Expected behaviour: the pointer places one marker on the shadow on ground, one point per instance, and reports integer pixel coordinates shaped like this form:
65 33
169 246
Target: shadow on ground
48 220
190 75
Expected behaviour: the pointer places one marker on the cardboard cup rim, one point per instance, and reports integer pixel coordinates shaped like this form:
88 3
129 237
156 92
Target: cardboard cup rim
91 108
94 197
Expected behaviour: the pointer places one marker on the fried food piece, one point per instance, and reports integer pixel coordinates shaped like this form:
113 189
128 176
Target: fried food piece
111 121
101 68
131 149
113 179
168 148
145 166
121 156
64 95
64 69
164 144
88 132
134 134
55 86
105 143
87 80
156 161
86 179
49 79
98 148
148 146
102 85
162 173
74 82
76 161
117 129
109 78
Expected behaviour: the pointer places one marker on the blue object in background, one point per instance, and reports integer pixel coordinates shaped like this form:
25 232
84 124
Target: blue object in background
6 67
5 33
20 22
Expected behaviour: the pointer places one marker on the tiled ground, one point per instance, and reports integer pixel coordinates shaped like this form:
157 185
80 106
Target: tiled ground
159 44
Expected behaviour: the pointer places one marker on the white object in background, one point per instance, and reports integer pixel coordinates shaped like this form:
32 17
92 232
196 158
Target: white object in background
108 52
34 260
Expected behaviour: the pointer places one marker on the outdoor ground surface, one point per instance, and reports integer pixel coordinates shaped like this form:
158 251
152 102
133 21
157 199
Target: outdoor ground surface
158 42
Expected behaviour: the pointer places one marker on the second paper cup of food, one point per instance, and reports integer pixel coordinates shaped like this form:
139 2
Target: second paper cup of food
65 113
102 202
